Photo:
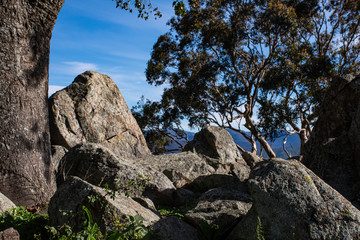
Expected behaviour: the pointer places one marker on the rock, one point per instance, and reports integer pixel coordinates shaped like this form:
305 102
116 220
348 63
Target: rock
216 145
219 149
292 202
57 153
172 228
238 169
146 202
98 165
92 109
184 196
205 183
180 168
9 234
220 206
251 158
332 150
75 193
5 203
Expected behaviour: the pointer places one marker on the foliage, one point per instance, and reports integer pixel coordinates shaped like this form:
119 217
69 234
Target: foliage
172 212
25 222
228 63
130 228
260 230
210 232
145 7
323 42
134 185
35 226
160 127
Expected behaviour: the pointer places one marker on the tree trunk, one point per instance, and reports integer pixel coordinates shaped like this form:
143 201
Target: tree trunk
26 173
251 126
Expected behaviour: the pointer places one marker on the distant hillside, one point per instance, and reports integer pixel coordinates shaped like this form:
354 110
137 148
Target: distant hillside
292 145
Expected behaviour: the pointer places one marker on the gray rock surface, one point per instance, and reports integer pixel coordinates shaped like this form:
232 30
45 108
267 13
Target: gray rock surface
9 234
251 158
92 109
220 206
57 153
205 183
180 168
293 203
5 203
75 193
332 151
216 145
98 165
218 148
172 228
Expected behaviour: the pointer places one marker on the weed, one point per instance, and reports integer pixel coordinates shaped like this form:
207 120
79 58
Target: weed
308 179
172 212
26 223
210 231
260 230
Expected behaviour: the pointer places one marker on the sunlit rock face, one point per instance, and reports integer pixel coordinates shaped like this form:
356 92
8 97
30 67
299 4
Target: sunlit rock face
290 201
92 109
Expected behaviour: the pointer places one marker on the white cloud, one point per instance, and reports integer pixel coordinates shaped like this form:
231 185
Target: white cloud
54 88
75 68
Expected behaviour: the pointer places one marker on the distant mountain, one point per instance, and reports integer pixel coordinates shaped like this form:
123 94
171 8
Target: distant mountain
292 145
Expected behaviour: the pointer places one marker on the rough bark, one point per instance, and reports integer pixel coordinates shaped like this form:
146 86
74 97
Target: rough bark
26 175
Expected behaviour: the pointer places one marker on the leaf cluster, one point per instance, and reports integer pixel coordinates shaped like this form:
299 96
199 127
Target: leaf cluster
26 223
144 8
161 127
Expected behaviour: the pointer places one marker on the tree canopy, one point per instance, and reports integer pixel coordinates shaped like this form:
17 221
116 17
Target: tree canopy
145 8
253 65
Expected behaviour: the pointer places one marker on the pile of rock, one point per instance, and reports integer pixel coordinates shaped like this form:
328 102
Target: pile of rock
102 162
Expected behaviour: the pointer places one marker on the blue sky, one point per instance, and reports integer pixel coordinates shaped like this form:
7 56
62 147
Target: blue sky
94 35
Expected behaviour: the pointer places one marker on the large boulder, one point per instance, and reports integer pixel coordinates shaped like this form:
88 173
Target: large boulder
332 151
172 228
221 207
180 168
99 166
5 203
205 183
92 109
219 149
75 193
9 234
291 202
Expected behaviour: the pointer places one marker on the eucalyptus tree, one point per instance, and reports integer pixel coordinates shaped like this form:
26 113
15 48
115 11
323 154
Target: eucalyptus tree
214 59
254 65
323 44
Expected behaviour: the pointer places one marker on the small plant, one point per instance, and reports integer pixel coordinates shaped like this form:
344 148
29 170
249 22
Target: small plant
172 212
260 230
90 231
26 223
130 228
134 185
308 179
346 211
210 231
130 188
